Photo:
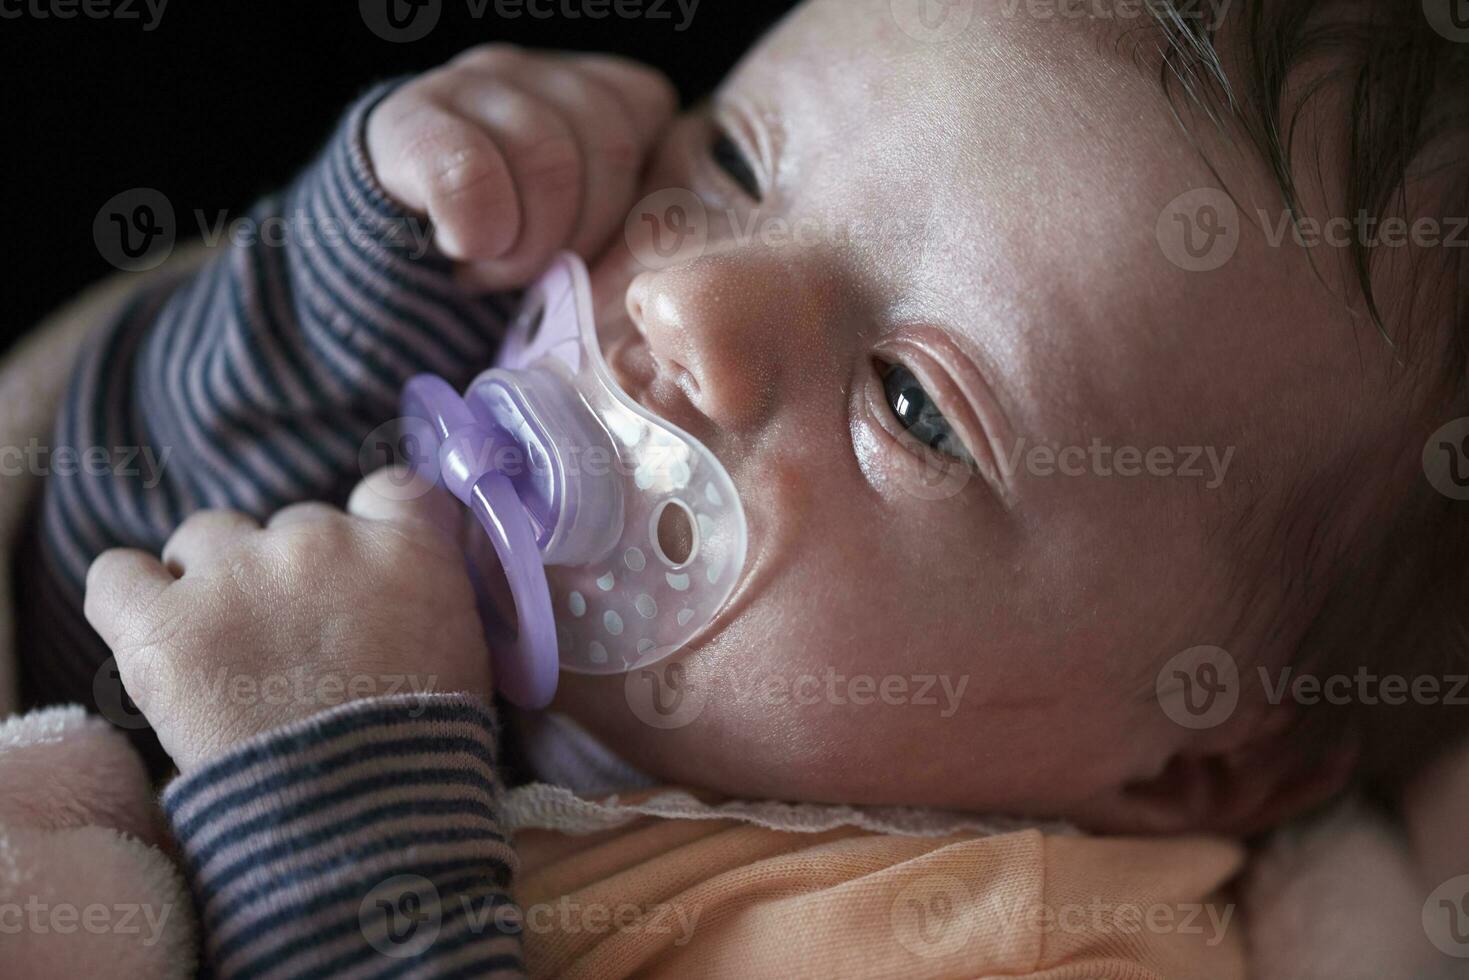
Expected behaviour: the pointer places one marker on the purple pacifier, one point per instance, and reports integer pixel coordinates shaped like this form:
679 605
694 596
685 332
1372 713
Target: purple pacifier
620 535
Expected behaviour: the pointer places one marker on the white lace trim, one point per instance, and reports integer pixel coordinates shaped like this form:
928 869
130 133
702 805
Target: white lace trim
540 806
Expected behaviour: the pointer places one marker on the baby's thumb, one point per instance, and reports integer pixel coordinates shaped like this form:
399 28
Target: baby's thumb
397 493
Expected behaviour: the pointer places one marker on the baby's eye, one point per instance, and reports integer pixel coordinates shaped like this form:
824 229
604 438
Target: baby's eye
917 413
731 159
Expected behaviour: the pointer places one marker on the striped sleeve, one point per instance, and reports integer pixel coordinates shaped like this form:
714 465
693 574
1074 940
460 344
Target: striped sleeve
362 843
251 384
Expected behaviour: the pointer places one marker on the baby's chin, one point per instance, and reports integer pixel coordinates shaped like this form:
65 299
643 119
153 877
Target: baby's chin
653 721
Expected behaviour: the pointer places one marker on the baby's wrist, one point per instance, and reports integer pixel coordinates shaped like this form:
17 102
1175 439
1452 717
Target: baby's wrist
291 734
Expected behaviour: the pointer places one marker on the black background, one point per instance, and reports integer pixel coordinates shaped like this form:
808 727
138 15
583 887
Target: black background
225 99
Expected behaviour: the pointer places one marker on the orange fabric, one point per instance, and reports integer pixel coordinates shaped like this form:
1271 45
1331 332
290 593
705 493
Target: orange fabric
722 898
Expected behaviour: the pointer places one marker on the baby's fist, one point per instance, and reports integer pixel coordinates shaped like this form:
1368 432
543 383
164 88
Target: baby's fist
241 628
515 156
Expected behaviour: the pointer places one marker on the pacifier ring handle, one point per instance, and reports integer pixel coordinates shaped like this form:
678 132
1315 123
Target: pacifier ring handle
526 670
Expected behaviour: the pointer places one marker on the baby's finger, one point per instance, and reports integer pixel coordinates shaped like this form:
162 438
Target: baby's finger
380 497
121 584
544 158
203 535
307 513
646 94
608 140
434 161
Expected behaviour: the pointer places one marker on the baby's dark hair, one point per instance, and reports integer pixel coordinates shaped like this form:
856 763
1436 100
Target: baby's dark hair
1391 597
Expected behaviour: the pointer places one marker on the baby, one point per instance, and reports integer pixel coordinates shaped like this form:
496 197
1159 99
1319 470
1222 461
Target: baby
958 406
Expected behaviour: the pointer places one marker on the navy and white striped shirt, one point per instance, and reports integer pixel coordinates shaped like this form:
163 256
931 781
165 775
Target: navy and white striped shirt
255 382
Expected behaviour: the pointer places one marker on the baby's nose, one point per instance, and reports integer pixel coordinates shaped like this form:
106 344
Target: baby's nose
746 335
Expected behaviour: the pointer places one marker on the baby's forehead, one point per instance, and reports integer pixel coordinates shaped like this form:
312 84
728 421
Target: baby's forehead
891 54
1009 183
860 95
996 147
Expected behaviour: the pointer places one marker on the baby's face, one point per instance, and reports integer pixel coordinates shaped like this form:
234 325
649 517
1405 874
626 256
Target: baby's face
936 611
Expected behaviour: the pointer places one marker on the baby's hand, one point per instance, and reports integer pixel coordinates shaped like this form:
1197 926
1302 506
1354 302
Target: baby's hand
515 156
241 629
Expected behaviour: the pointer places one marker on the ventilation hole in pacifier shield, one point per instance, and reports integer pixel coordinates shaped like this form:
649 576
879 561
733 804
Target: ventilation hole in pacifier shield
675 533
